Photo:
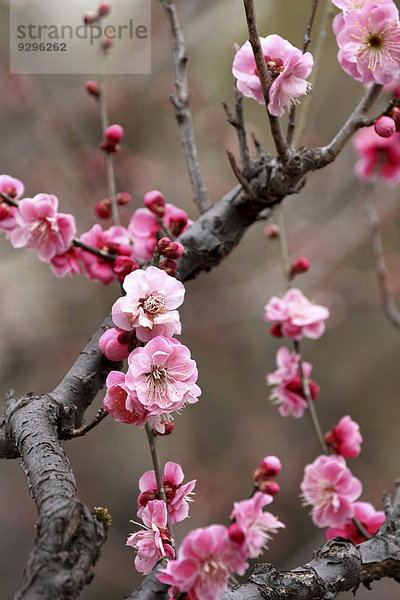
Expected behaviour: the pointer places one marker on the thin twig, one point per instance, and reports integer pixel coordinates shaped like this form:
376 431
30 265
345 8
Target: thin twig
152 438
111 186
361 529
8 199
265 78
240 176
96 251
75 433
181 103
306 41
388 301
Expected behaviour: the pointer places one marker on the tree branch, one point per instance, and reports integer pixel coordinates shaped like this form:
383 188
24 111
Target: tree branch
181 103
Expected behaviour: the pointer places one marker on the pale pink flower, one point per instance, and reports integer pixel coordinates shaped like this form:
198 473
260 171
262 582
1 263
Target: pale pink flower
366 514
287 65
378 157
207 558
110 241
351 4
287 389
14 189
66 263
177 493
117 344
255 524
153 542
40 227
148 307
163 376
345 438
297 315
330 488
369 42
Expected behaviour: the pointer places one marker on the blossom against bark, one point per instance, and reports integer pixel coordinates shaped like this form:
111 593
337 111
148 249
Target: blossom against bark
117 344
177 493
286 383
40 227
148 307
378 157
14 189
330 488
207 557
287 65
297 316
369 518
369 42
345 438
153 542
163 376
254 524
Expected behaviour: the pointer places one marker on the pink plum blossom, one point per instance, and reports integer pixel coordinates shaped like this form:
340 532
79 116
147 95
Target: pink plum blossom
286 382
255 525
176 492
207 558
345 438
148 307
297 315
153 542
66 263
330 488
369 42
40 227
111 241
121 403
163 376
369 518
117 344
378 157
287 65
14 189
350 4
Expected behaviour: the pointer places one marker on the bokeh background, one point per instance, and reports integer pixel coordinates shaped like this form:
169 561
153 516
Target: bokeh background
50 132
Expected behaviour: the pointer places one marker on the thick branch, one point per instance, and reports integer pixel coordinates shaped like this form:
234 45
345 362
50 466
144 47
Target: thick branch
181 104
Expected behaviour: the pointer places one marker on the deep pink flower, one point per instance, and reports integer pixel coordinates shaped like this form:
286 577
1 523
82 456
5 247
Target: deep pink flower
40 227
330 488
153 542
378 157
66 263
207 558
286 384
345 438
369 42
148 307
13 188
121 403
96 267
287 65
163 376
255 524
366 514
176 492
298 316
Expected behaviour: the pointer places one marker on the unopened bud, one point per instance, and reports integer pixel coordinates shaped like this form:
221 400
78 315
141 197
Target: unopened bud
155 201
178 221
385 127
123 198
114 134
270 466
174 250
269 487
163 243
276 330
314 389
104 9
272 232
169 266
89 17
235 534
123 266
92 89
103 209
299 265
169 427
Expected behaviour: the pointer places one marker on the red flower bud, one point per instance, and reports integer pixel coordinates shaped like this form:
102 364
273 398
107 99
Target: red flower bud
113 134
272 232
269 487
123 198
92 89
169 266
104 9
178 221
103 209
155 201
163 243
174 250
123 266
169 427
276 330
299 265
235 533
385 127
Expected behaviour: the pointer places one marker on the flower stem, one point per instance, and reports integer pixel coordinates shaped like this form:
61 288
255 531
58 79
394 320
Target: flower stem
152 438
280 221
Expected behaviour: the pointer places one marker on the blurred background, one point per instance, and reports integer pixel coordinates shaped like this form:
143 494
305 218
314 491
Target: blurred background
50 133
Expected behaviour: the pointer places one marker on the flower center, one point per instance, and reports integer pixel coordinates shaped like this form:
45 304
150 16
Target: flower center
157 377
41 228
274 65
375 41
154 304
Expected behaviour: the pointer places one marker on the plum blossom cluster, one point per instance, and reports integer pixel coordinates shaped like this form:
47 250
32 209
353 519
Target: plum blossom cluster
378 157
287 66
368 36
